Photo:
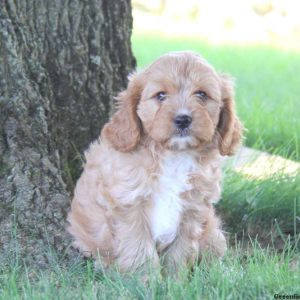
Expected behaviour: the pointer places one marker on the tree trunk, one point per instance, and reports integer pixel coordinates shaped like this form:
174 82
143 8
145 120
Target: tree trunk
61 63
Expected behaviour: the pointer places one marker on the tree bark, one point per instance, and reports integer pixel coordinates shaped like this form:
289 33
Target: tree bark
61 63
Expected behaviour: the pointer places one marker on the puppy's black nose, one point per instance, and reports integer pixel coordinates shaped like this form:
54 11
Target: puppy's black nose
183 121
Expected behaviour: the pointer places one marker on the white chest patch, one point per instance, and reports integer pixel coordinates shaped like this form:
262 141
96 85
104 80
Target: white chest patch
173 180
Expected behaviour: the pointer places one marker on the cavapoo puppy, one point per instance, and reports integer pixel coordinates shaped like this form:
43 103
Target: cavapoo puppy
149 182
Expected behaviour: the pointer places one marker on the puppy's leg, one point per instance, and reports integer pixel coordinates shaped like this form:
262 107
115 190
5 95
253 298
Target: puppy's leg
89 222
213 240
194 239
135 246
185 248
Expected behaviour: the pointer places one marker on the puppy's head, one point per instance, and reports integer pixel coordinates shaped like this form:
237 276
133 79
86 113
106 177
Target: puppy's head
180 102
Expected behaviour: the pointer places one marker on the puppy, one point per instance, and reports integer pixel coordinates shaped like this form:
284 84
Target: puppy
150 180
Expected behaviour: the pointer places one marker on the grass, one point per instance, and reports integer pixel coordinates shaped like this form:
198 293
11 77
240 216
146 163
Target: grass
268 208
267 86
244 273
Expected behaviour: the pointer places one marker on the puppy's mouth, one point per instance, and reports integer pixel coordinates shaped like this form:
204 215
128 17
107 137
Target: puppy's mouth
182 132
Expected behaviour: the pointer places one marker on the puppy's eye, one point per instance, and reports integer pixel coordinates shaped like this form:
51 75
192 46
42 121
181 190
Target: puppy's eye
201 95
161 96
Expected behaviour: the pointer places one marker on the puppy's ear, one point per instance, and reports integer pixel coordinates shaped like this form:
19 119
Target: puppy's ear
123 131
229 127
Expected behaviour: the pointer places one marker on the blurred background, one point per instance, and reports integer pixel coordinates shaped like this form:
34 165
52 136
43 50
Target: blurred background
258 43
270 22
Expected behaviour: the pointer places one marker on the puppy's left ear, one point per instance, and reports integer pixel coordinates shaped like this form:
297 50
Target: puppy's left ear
123 131
229 127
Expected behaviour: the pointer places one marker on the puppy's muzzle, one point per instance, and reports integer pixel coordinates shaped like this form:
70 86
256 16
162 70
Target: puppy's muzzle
183 121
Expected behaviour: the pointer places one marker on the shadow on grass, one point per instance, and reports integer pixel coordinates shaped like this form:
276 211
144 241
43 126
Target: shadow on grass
267 209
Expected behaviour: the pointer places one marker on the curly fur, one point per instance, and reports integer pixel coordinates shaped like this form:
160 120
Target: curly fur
147 192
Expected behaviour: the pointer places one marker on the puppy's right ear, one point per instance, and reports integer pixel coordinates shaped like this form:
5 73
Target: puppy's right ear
123 132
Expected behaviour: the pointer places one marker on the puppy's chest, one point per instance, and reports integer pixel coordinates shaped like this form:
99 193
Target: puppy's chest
167 203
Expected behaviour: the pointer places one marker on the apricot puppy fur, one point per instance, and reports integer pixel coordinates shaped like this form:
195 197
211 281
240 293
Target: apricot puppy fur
150 180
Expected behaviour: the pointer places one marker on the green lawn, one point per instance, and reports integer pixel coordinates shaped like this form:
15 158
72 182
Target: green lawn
267 86
244 273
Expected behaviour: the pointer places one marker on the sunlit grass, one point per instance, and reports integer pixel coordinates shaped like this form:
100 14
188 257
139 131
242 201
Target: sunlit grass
261 165
267 86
